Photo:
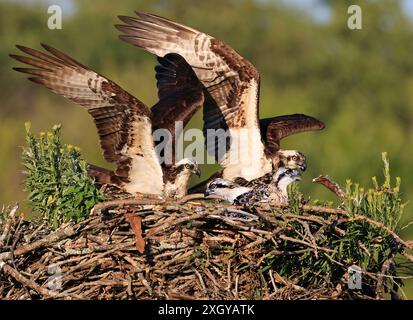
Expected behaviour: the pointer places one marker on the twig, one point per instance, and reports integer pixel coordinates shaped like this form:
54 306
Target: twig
32 285
97 209
331 185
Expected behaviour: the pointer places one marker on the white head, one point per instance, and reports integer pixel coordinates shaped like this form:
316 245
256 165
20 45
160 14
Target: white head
180 175
285 176
226 189
292 159
188 167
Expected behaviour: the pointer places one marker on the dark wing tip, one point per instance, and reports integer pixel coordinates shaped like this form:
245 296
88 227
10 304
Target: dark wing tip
17 57
142 14
117 26
18 69
25 49
322 125
21 47
123 38
45 46
36 80
318 124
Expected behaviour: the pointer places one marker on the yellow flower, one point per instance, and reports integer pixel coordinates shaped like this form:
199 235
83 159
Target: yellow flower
50 200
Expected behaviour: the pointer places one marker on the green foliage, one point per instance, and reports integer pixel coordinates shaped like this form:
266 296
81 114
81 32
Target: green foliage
381 203
357 242
56 179
295 198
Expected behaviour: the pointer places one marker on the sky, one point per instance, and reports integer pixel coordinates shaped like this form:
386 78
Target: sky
315 8
320 12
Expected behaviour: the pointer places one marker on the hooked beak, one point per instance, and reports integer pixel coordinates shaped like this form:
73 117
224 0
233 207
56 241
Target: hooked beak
197 171
303 166
206 193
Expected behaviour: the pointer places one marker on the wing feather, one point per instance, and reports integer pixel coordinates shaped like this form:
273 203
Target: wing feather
123 122
276 128
230 81
180 97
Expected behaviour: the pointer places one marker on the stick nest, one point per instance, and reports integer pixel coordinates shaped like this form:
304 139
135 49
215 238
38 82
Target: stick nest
200 249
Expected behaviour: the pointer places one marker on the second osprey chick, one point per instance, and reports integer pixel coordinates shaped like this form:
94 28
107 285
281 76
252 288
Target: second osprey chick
276 190
226 189
258 190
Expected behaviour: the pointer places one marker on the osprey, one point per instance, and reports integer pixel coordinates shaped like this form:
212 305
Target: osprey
124 123
226 189
231 88
276 190
258 190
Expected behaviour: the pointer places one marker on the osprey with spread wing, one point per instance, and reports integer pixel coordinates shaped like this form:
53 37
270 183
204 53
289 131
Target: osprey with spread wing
231 88
125 124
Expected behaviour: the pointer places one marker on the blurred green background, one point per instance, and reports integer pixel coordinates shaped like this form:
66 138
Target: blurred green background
359 82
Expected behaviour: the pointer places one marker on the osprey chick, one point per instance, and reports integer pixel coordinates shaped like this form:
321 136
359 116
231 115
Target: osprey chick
257 190
276 190
226 189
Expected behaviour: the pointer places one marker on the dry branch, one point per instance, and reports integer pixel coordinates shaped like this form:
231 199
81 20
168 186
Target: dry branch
192 250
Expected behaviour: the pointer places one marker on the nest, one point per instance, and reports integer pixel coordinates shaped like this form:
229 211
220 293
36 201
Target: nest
194 249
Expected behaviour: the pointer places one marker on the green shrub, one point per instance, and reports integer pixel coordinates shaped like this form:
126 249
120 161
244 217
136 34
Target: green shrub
380 203
360 242
56 181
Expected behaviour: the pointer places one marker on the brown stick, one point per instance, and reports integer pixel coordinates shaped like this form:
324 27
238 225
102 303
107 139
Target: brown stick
305 207
382 226
190 197
65 232
33 285
97 209
331 185
164 227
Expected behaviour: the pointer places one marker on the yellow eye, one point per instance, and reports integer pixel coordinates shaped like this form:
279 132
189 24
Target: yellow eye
187 166
294 158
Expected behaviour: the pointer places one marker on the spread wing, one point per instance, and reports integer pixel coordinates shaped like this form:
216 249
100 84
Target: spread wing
123 122
180 97
277 128
231 84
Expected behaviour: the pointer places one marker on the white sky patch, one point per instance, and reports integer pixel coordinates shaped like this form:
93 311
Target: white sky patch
316 9
320 11
68 6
